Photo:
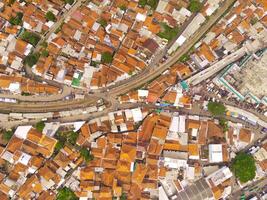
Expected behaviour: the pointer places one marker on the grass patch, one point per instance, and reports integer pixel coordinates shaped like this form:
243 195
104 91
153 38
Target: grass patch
216 108
167 32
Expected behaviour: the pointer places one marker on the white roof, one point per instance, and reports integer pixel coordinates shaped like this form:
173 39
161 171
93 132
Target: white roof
175 163
181 124
180 40
190 173
174 124
162 194
194 132
24 158
215 153
13 87
137 114
220 175
140 17
142 93
22 131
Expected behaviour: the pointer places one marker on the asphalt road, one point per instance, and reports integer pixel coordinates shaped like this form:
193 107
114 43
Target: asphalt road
124 86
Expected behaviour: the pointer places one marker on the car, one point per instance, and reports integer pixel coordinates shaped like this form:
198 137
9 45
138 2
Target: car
253 149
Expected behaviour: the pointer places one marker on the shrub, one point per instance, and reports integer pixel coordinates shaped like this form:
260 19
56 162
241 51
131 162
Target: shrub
50 16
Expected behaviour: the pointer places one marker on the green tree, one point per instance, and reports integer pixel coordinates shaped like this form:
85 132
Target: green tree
31 59
72 137
17 20
106 57
7 135
59 145
40 126
85 153
50 16
45 53
103 22
224 124
184 58
152 3
195 6
69 2
216 108
30 37
123 7
66 194
123 196
142 3
244 168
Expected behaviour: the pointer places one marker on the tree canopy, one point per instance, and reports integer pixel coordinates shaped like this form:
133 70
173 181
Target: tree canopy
69 2
50 16
31 59
106 57
7 135
17 20
216 108
244 167
103 22
224 124
85 153
40 126
63 137
30 37
195 6
152 3
66 194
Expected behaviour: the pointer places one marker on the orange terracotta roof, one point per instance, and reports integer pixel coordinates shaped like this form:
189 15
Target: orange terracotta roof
193 150
245 135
